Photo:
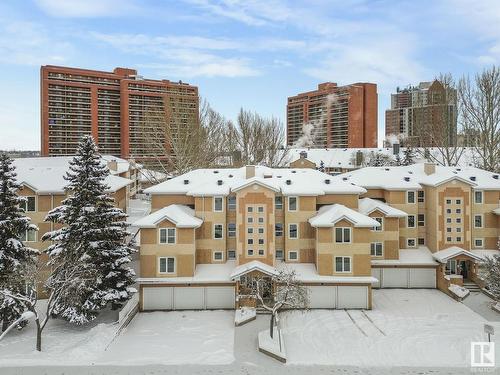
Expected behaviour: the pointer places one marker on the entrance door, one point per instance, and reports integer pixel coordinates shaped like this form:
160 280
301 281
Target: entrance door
464 269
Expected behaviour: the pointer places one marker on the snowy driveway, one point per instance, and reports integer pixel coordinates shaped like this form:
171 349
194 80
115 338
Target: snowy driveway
405 328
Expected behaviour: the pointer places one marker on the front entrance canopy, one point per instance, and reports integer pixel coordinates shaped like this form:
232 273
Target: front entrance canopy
443 256
254 265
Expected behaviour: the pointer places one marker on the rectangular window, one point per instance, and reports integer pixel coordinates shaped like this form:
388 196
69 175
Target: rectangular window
166 265
459 239
478 197
448 220
458 230
376 249
278 202
410 221
448 201
29 236
250 220
218 256
421 241
458 211
448 239
478 221
410 197
381 221
458 201
231 203
411 242
261 230
218 204
260 209
478 242
261 241
250 241
250 252
261 252
293 255
448 230
458 220
451 267
343 235
261 220
421 220
231 254
292 203
250 230
421 196
29 205
231 230
278 229
218 231
167 235
448 210
293 231
279 254
342 264
250 209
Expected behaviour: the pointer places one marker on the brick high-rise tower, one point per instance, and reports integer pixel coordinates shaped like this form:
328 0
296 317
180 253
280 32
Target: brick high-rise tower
334 116
111 106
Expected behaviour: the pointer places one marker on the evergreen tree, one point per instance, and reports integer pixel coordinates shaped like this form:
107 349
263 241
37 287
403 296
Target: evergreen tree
408 156
492 275
15 257
322 166
93 235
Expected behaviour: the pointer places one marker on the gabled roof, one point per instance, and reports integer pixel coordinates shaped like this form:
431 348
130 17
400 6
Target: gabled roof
178 214
368 205
328 216
255 180
443 256
254 265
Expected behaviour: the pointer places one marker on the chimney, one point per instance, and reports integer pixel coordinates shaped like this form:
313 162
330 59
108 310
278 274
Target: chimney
359 158
395 148
303 154
250 171
429 168
112 165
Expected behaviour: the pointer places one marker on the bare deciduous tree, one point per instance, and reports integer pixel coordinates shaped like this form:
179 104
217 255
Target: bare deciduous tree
479 102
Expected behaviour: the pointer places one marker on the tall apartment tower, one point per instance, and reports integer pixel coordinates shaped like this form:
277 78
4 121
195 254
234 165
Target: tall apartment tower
111 106
420 114
333 116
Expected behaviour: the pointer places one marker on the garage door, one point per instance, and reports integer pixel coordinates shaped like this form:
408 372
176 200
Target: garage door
352 297
377 273
189 298
395 278
159 298
219 297
422 278
322 297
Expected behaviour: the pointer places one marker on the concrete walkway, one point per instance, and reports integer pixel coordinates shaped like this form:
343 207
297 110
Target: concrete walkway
481 304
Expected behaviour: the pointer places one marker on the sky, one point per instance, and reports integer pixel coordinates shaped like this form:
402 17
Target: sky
240 53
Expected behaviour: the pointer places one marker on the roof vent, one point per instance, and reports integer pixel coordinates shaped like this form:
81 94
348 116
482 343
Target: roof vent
344 178
407 179
387 169
459 169
327 181
230 176
472 178
186 182
495 176
219 182
294 171
216 171
288 182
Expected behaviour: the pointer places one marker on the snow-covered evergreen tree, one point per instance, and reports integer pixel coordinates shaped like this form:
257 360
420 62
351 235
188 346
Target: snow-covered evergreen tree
15 257
93 236
492 275
321 166
408 156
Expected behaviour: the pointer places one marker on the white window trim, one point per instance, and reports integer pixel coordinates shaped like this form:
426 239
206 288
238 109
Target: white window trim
222 203
296 203
166 271
482 243
381 227
482 196
222 231
415 199
228 257
408 221
250 255
298 235
166 230
482 221
263 253
335 264
216 252
26 202
293 251
408 242
27 237
335 235
282 254
382 246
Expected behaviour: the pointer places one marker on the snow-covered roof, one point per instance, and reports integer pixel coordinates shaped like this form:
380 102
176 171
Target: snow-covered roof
345 158
45 175
442 256
206 182
122 165
307 273
204 273
368 205
178 214
327 216
254 265
486 253
409 257
147 175
413 177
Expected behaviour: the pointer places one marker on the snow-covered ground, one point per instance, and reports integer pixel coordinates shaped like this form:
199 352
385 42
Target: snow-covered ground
177 337
405 328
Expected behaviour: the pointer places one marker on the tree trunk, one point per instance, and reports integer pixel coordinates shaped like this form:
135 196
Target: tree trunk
5 325
271 326
38 335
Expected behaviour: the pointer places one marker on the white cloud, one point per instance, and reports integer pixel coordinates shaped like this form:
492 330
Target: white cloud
87 8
